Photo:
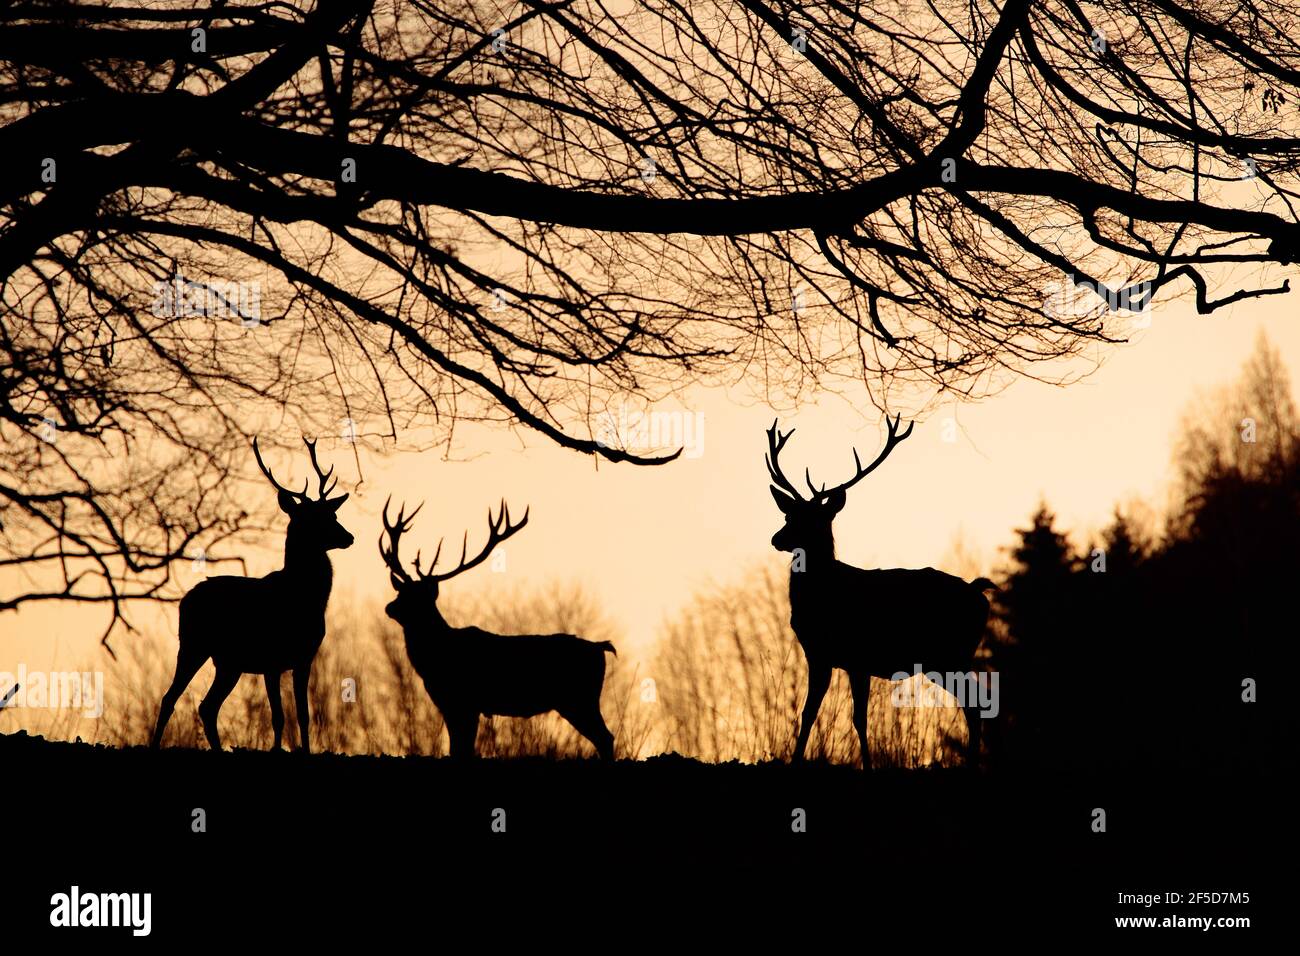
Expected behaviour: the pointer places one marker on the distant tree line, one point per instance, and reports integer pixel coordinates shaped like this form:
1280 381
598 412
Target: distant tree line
1170 646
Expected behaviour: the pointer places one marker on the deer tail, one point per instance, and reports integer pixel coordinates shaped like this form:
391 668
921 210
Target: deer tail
983 584
607 646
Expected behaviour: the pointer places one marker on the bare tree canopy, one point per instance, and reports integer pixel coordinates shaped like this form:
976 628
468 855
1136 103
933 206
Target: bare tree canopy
433 210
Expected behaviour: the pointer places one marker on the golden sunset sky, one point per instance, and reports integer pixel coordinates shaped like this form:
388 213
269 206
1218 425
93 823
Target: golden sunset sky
644 540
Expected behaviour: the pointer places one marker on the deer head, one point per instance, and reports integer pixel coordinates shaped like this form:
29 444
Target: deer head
417 596
313 522
808 520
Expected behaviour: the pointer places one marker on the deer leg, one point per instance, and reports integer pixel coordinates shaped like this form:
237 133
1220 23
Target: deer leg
277 708
974 731
591 724
209 710
301 678
861 686
463 731
819 678
187 665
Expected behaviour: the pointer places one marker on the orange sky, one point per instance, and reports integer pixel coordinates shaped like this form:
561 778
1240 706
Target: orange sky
644 539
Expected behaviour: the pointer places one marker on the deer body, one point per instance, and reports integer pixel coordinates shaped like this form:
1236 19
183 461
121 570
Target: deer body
470 672
920 616
265 625
869 623
260 625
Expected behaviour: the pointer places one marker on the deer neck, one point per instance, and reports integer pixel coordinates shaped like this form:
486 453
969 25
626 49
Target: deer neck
437 623
310 571
813 561
434 625
812 582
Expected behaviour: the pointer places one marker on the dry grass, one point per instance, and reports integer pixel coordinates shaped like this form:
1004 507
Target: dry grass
726 682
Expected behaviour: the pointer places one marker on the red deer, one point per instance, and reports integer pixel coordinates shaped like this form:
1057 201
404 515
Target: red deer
263 625
877 623
470 672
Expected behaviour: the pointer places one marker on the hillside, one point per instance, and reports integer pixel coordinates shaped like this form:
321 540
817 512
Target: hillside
378 835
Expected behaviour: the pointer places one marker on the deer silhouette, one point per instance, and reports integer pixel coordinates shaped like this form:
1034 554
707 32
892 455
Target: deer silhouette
869 623
470 672
264 625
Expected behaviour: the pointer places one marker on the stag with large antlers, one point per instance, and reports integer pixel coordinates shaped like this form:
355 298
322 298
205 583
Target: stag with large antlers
470 672
264 625
878 623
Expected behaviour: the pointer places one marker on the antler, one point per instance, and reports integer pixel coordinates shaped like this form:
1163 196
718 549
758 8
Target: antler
394 531
324 476
892 439
499 528
300 495
776 441
324 489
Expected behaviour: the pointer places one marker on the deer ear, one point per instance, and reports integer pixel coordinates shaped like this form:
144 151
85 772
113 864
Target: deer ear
783 501
288 503
395 581
834 501
336 503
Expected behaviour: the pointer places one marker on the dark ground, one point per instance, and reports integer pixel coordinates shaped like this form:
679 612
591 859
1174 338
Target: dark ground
368 848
